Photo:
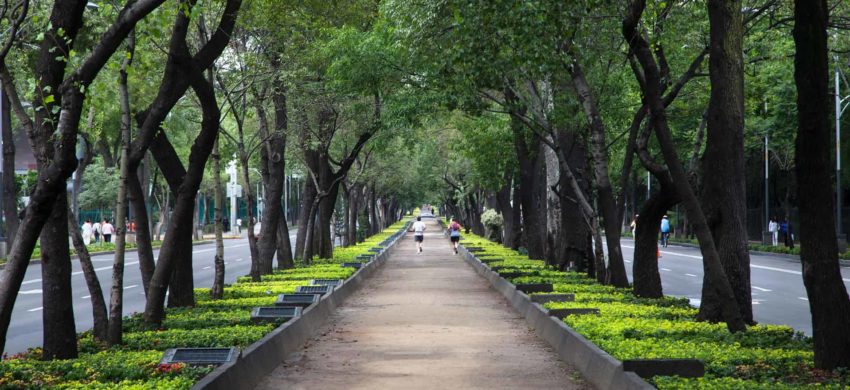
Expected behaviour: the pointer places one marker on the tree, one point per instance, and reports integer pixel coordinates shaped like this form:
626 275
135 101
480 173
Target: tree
828 299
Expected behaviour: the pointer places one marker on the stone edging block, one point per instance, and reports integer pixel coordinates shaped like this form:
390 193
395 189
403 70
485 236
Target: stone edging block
596 366
262 357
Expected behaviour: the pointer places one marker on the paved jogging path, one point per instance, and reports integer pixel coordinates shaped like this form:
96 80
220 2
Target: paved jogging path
424 321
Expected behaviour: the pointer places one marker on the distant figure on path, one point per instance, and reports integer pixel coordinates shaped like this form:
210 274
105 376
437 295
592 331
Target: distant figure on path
454 233
773 228
239 226
87 232
96 230
783 231
789 235
418 230
665 230
108 230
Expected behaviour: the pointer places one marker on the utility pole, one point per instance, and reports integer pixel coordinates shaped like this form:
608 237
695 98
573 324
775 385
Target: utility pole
767 236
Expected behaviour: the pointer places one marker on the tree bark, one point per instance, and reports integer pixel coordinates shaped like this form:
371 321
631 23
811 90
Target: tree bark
217 289
144 245
724 198
605 193
116 300
10 190
307 198
658 119
828 299
98 305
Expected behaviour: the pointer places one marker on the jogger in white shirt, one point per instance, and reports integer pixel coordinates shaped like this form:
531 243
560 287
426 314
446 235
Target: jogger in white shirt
418 229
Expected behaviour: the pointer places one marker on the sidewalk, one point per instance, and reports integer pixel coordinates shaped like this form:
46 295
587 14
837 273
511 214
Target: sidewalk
424 321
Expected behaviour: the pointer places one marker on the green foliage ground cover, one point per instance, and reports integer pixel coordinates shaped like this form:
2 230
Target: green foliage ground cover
629 327
211 323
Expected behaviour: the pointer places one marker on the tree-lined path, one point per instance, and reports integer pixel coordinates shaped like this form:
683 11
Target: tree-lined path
424 321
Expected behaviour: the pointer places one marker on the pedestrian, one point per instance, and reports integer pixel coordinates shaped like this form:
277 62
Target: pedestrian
789 237
773 228
108 230
87 232
239 226
418 230
225 224
634 225
783 231
665 230
454 233
97 232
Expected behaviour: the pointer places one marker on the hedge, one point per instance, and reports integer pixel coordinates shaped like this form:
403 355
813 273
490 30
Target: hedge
211 323
629 327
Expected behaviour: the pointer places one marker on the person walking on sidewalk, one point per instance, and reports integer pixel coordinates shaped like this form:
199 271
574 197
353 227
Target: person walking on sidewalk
96 230
454 233
418 230
87 232
665 230
108 230
773 228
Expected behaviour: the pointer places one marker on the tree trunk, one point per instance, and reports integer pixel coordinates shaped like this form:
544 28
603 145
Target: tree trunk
647 279
658 119
116 300
579 231
217 289
503 202
555 230
60 332
144 246
605 193
724 197
10 190
273 168
529 173
98 305
249 200
828 299
307 198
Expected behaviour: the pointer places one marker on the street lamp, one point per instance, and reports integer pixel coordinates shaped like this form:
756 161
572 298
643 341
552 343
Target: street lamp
840 105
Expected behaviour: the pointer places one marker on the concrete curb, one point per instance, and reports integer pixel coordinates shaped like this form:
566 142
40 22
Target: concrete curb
596 366
262 357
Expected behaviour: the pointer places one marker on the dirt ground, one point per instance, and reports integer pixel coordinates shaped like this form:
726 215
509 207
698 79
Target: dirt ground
425 321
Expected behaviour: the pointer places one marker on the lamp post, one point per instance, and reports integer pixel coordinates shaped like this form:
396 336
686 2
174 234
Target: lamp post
840 105
767 235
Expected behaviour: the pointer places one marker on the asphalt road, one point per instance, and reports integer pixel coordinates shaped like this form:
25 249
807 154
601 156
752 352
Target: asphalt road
26 327
779 296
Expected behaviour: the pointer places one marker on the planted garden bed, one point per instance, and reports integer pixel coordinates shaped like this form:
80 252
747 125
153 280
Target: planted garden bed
222 323
664 330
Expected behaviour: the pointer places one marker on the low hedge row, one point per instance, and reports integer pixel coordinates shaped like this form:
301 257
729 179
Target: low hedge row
211 323
628 327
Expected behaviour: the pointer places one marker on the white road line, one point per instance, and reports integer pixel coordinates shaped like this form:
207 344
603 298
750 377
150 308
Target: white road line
86 297
36 309
239 259
803 298
692 275
666 269
761 289
37 291
131 286
764 267
208 267
212 249
627 261
31 281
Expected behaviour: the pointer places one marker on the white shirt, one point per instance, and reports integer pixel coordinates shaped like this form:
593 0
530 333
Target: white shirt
87 229
772 226
418 228
96 227
107 228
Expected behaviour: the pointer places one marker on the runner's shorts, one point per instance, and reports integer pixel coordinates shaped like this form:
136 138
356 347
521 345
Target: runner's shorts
418 238
455 238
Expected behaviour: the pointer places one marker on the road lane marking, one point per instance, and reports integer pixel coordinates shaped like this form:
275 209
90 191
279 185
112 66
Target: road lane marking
692 275
212 249
239 259
36 309
803 298
36 291
86 297
208 267
666 269
131 286
761 289
627 261
764 267
31 281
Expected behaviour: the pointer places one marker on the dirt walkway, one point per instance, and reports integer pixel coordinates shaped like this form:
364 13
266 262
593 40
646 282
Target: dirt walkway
424 321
